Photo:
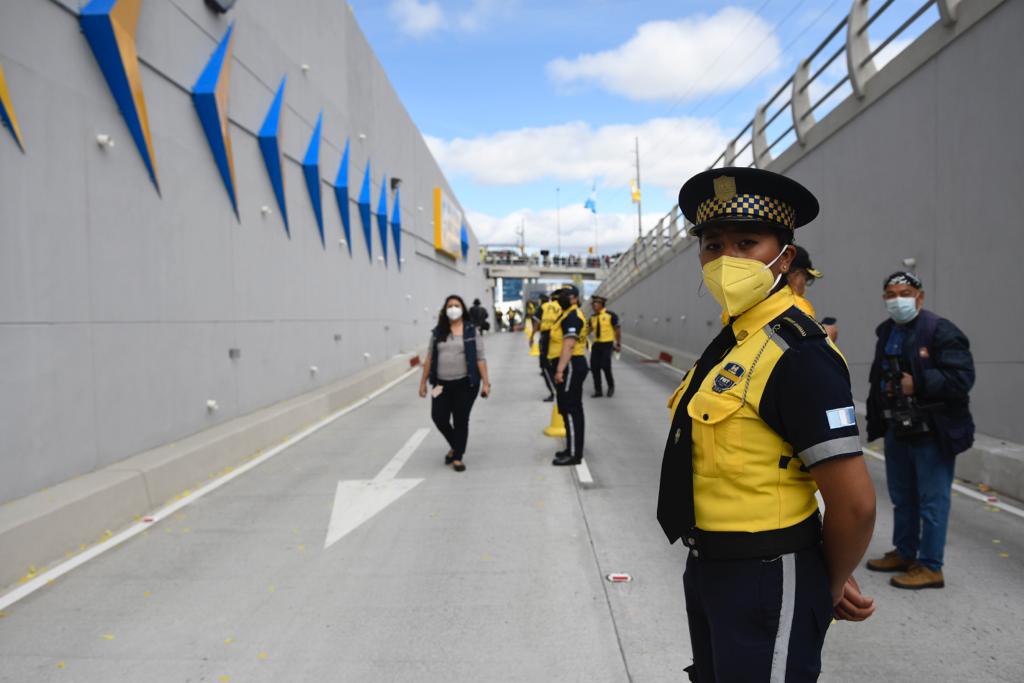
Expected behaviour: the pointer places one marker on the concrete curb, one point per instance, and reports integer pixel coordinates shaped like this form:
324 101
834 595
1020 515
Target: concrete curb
991 461
60 521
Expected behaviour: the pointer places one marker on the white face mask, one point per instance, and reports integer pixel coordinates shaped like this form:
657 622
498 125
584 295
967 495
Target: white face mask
902 309
454 313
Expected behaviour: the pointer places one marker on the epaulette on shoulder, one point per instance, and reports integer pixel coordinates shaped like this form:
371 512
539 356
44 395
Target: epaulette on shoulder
795 326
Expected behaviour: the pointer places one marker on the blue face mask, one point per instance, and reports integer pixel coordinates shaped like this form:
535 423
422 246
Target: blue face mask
902 309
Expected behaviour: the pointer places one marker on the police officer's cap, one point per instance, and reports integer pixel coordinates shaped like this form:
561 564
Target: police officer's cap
802 260
731 194
569 289
599 299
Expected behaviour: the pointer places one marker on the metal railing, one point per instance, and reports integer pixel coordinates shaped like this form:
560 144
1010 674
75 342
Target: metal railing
669 236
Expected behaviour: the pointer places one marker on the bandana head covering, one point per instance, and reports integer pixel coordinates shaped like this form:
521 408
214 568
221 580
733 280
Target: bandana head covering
903 277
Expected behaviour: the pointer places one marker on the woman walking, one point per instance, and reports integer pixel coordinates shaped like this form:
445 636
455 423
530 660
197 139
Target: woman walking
457 372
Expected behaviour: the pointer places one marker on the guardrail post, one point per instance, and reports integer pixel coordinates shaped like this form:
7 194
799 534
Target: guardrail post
673 226
729 156
947 11
800 101
858 47
759 141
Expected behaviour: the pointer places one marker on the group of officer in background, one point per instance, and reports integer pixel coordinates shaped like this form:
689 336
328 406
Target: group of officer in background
564 334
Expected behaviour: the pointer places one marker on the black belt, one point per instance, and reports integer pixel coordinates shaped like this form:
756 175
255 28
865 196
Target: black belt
743 545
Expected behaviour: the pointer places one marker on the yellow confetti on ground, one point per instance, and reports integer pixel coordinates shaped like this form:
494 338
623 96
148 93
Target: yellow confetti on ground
60 665
1004 554
271 588
262 655
108 533
302 548
225 678
146 594
3 614
187 530
996 541
81 546
108 636
228 641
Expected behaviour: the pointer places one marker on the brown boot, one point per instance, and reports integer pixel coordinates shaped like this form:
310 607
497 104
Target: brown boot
917 577
892 561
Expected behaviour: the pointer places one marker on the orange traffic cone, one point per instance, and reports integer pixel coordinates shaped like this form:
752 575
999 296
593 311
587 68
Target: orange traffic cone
557 426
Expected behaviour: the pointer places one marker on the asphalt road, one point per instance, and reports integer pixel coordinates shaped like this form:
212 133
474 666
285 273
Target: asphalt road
494 574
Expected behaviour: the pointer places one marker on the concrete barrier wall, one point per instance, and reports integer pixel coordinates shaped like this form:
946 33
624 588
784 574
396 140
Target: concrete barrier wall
927 171
118 305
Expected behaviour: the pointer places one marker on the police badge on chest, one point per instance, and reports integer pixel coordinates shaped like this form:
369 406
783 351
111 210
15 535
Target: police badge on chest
727 377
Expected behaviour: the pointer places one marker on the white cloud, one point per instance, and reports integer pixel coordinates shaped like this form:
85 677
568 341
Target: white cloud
615 231
672 150
419 18
678 59
416 17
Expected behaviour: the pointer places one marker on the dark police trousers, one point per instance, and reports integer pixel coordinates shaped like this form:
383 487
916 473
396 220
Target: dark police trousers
758 620
545 364
570 402
450 412
601 361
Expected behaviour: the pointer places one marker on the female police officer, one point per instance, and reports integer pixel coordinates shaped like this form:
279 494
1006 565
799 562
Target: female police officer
763 419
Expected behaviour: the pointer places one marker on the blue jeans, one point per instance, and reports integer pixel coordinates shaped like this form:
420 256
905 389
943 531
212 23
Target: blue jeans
920 482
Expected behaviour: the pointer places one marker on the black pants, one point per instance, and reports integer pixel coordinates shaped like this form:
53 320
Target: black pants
601 361
758 620
545 364
450 412
570 402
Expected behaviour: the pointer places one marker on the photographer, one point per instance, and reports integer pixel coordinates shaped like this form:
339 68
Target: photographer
920 378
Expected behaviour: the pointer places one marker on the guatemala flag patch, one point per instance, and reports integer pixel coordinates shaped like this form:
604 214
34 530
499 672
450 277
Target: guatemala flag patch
841 417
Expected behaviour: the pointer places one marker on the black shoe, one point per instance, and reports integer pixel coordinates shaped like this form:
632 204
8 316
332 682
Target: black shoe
459 467
611 391
566 460
562 454
598 394
449 458
549 399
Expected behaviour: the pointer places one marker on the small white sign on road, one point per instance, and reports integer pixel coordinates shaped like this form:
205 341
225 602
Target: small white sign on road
357 500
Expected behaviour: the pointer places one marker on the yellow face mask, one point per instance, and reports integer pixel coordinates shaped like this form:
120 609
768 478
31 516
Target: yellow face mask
740 283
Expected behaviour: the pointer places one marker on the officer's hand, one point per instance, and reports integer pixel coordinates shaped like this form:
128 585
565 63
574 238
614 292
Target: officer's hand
907 384
423 389
558 377
852 605
618 348
486 390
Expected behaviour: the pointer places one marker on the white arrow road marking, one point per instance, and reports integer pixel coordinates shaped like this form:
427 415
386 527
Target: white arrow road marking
357 500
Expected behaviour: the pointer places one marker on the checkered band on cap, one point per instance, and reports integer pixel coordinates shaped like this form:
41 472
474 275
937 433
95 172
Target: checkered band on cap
748 206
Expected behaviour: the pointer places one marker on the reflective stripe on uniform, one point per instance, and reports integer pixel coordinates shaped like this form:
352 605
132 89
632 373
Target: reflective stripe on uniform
779 341
844 445
786 610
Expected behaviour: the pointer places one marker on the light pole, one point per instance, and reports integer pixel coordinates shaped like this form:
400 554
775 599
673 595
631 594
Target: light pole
558 219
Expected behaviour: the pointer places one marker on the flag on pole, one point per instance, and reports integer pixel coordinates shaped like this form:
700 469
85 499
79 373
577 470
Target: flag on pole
634 191
591 202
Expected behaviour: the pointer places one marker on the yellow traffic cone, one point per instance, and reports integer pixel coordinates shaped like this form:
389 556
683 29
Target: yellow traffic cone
557 426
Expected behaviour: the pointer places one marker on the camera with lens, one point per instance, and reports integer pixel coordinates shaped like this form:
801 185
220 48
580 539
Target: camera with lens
904 413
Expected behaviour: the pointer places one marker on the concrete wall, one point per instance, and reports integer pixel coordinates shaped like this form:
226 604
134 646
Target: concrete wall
118 305
928 171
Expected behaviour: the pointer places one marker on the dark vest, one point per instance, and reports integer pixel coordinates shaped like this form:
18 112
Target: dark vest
469 344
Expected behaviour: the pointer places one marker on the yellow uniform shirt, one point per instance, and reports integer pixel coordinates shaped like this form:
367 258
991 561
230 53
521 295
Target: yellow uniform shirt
569 324
777 404
549 312
603 325
805 306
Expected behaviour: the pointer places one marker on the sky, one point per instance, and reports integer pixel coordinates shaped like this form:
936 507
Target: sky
530 106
